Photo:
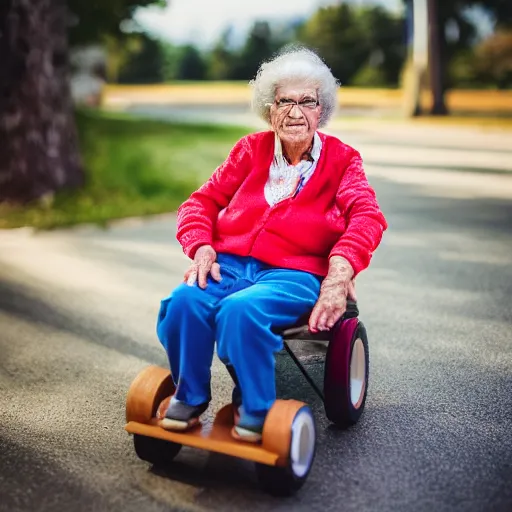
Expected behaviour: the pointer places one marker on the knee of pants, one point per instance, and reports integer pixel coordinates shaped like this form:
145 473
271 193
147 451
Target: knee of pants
235 321
182 303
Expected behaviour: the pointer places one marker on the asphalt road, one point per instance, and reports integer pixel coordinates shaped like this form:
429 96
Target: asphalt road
77 323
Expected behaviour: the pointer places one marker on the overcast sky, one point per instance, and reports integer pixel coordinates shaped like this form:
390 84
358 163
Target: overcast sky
202 21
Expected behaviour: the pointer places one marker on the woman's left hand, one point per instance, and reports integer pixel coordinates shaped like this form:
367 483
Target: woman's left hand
332 302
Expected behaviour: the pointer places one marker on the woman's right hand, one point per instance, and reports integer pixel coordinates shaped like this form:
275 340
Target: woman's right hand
204 263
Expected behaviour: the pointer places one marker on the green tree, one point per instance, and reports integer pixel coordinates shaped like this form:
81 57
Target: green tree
334 33
191 64
119 50
91 20
383 35
258 47
171 60
39 151
494 59
221 58
361 45
145 64
462 71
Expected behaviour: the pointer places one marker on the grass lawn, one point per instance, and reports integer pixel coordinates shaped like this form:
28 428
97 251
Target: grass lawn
132 167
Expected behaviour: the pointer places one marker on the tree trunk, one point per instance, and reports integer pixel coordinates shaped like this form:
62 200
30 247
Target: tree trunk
38 140
435 62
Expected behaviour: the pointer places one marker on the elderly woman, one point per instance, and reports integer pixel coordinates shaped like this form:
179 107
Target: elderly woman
280 229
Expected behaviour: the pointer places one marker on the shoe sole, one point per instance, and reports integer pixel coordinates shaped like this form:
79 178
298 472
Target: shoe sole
242 434
177 425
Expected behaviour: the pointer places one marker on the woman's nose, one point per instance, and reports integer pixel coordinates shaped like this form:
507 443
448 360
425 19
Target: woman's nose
295 112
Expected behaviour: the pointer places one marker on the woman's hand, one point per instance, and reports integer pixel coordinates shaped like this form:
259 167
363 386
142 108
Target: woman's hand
204 264
332 302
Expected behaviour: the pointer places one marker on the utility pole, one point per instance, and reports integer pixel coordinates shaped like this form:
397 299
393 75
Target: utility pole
434 50
417 56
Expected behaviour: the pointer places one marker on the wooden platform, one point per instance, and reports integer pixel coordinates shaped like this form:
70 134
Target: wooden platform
214 437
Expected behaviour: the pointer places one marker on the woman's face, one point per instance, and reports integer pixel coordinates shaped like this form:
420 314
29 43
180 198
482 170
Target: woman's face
295 124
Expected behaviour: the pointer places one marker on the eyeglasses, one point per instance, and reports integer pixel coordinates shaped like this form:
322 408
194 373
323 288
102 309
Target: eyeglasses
285 103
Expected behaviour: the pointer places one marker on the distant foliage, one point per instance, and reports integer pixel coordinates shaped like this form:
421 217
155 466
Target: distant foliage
494 59
364 46
144 64
221 60
259 46
358 43
92 20
191 64
465 61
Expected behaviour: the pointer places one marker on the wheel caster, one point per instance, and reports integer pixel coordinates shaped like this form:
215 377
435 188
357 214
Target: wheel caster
146 392
149 388
290 431
346 373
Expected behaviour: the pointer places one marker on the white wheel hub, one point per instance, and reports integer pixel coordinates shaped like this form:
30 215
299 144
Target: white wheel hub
357 373
303 441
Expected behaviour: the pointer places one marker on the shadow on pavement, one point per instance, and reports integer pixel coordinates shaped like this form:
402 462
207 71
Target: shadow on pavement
19 301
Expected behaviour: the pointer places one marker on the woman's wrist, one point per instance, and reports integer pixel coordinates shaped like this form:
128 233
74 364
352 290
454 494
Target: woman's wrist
340 270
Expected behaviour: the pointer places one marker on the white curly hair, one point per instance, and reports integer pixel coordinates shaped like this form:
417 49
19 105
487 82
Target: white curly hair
294 63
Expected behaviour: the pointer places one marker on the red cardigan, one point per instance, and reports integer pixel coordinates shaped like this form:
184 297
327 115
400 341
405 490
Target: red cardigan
336 213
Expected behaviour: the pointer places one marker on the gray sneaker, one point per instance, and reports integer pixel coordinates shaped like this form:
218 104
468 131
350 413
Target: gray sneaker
178 416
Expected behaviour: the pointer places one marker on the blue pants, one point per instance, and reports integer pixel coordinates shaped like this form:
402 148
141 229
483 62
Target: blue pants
239 312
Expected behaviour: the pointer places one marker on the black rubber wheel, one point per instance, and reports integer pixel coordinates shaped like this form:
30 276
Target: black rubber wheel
287 480
155 451
278 481
346 374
